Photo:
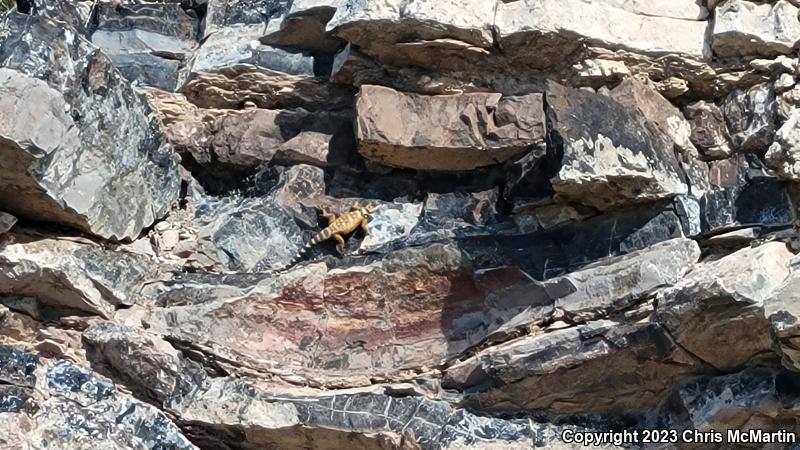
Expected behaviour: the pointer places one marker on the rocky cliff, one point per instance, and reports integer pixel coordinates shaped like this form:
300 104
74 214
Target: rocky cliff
587 222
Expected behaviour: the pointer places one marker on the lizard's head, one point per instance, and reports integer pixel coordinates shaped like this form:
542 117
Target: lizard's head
368 210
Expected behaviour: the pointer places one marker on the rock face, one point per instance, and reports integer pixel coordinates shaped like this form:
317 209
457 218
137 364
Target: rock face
123 185
748 28
583 218
607 150
458 132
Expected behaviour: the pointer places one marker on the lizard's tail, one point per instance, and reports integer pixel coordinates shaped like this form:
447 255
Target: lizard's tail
297 257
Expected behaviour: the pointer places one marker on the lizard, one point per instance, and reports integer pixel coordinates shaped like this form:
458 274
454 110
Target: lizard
338 227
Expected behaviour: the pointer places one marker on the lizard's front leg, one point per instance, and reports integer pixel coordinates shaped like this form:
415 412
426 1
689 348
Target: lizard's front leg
364 226
339 243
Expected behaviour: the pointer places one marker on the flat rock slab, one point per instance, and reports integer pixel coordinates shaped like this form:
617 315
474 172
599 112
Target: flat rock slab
71 275
162 28
542 32
610 155
78 145
54 404
447 133
745 28
722 302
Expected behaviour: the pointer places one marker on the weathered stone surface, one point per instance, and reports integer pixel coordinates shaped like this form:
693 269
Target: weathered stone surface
74 14
225 13
418 32
743 193
304 27
413 308
743 28
723 301
59 405
602 366
743 401
71 275
750 115
7 221
709 132
159 28
232 67
616 283
542 32
784 154
457 132
56 112
145 69
610 154
656 109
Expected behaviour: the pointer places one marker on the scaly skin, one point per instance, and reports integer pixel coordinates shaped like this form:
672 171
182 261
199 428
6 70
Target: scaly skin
339 227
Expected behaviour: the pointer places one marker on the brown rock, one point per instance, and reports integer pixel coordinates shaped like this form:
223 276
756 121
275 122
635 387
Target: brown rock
709 132
451 132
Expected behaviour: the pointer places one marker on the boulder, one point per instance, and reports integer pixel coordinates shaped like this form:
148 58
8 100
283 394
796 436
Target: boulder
657 110
76 14
257 13
616 283
445 133
784 154
7 221
723 301
709 131
782 311
742 401
71 275
543 32
416 307
51 404
158 28
599 367
745 28
751 116
610 155
304 25
132 181
447 35
743 192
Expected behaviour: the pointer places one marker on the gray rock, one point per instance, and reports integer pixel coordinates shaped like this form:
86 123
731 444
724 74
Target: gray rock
132 181
616 283
225 13
304 25
782 311
59 405
71 275
784 154
159 28
232 67
752 397
7 221
240 233
542 33
579 370
446 133
392 222
723 301
744 28
607 150
709 132
657 110
743 193
74 14
147 69
751 115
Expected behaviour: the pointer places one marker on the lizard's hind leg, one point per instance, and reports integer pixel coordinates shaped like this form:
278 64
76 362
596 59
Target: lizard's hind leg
330 217
339 243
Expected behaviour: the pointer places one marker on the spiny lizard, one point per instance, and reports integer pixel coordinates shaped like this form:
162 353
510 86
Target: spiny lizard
338 228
